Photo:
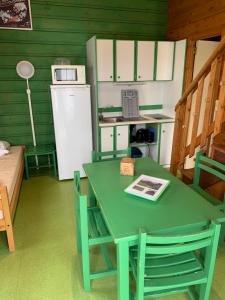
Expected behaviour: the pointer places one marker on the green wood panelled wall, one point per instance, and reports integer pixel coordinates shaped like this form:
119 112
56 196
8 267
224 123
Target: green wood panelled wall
61 29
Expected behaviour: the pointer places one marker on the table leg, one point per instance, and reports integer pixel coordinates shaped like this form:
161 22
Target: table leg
123 270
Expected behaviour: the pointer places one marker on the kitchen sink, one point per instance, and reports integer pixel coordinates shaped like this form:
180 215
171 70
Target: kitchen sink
157 117
120 119
111 119
140 118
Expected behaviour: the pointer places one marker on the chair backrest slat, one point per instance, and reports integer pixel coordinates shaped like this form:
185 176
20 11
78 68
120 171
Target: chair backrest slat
178 248
212 171
209 165
169 239
212 162
110 155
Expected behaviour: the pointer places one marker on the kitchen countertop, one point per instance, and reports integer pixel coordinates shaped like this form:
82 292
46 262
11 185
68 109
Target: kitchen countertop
111 121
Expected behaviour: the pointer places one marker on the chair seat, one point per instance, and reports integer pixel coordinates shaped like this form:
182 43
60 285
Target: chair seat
211 168
207 196
162 271
91 231
97 227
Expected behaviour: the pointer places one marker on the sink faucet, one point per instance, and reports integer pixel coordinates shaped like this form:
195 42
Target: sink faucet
100 116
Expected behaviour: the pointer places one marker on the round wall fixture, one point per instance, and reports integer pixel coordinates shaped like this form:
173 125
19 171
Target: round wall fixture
25 69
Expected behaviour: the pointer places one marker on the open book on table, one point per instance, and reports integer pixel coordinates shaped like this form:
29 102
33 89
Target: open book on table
147 187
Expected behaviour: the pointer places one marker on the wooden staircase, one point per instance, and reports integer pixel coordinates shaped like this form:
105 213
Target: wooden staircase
192 132
210 183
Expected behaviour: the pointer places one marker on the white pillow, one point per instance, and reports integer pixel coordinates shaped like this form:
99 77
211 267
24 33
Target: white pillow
3 152
4 145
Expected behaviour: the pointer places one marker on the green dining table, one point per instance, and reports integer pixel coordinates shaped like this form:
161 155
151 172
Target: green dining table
178 209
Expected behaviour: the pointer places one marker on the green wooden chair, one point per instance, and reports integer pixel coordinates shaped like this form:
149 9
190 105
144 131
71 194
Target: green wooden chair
110 155
91 231
212 167
165 265
106 156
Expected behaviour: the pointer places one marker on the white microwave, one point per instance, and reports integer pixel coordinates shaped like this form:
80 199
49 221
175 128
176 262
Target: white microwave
68 74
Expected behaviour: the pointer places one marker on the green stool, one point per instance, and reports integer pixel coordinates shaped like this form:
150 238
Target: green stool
39 151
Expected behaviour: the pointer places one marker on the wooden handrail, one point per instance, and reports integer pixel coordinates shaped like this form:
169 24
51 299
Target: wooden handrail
213 116
204 69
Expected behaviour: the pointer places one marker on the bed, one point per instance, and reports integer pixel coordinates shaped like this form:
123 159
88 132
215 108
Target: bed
11 176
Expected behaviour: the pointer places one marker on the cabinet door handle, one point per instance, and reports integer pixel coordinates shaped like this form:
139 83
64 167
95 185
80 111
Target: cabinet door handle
111 135
118 76
118 133
139 76
164 131
111 76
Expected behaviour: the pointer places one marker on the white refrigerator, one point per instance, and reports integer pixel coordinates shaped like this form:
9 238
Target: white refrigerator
71 105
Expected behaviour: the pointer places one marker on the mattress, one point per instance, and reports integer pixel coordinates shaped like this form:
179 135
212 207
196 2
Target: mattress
9 169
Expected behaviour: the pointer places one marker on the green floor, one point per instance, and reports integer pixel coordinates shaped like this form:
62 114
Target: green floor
45 264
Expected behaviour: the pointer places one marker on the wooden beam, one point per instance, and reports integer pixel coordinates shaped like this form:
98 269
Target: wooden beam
198 139
16 192
189 66
175 156
211 97
198 103
7 218
185 127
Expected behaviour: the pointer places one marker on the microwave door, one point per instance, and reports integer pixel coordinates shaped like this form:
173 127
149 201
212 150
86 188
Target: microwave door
60 74
71 74
68 74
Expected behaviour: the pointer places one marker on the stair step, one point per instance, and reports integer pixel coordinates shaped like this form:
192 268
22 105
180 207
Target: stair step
208 182
219 140
218 148
217 190
187 175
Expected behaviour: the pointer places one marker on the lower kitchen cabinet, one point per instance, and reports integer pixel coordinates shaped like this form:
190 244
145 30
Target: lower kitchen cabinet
122 137
117 138
165 143
114 138
107 139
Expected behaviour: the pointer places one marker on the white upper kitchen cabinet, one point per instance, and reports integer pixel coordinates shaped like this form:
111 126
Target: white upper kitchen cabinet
165 56
104 60
145 60
124 60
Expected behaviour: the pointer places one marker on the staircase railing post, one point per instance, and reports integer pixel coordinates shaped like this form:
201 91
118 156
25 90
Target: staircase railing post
178 129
